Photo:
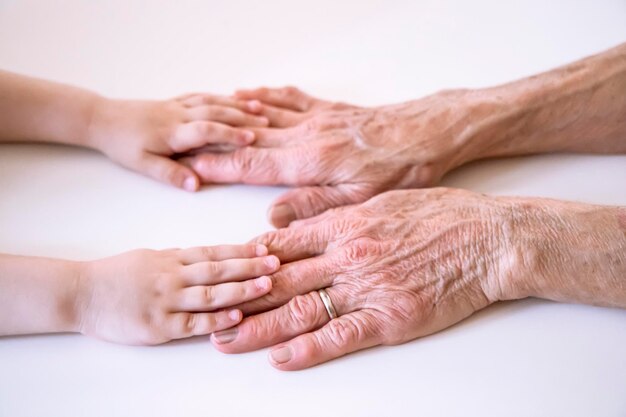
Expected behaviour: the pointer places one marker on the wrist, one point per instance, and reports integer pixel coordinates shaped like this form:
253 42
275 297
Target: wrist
97 123
82 291
564 251
432 133
63 314
492 125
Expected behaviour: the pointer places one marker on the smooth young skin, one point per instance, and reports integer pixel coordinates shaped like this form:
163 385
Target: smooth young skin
337 154
409 263
142 297
140 135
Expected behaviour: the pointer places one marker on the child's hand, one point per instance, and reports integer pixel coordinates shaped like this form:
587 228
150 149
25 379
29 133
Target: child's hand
143 135
147 297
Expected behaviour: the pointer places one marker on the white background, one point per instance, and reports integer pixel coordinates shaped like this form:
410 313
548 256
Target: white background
516 359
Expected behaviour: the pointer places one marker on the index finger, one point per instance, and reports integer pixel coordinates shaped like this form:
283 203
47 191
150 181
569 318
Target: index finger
291 244
200 99
219 253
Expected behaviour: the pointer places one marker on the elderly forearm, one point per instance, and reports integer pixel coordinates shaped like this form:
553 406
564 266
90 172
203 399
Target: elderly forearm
37 295
566 251
37 110
580 107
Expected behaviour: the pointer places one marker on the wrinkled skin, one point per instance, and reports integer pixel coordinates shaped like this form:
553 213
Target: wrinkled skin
403 265
339 154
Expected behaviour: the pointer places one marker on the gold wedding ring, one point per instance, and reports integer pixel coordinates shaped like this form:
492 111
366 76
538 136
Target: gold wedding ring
330 308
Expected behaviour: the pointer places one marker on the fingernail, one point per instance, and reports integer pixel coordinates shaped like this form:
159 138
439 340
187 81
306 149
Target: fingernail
281 355
225 336
248 136
282 214
263 283
272 261
234 315
261 250
190 184
254 105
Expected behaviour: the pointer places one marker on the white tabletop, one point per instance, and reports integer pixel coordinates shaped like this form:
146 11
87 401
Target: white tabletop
516 359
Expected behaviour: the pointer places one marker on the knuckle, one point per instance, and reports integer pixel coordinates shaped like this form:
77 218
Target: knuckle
203 129
269 239
163 284
407 309
213 269
150 333
210 323
216 111
188 323
243 290
341 332
242 161
404 314
207 252
363 249
301 308
291 91
312 125
208 295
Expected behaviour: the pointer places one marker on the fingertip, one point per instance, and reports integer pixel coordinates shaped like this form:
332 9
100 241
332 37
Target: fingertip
295 355
235 316
217 345
281 215
254 106
263 283
284 358
272 262
223 339
247 137
191 183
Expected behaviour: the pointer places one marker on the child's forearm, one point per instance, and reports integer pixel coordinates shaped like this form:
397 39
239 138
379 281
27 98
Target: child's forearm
37 110
38 295
137 297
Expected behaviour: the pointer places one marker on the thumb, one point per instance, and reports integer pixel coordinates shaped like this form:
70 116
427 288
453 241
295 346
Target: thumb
305 202
168 171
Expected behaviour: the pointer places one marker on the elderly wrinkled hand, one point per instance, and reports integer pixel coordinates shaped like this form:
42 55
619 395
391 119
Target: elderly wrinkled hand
338 154
409 263
402 265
